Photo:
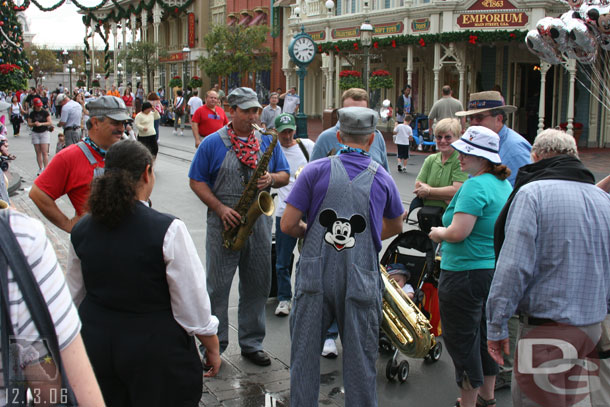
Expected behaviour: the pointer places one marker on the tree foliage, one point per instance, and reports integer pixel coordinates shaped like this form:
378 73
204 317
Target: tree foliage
142 57
235 49
44 61
16 67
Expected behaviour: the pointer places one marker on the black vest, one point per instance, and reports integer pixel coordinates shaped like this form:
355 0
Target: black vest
123 268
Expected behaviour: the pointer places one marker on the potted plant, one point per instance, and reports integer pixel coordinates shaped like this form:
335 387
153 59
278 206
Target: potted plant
381 79
350 79
12 77
175 82
95 83
80 83
576 130
195 82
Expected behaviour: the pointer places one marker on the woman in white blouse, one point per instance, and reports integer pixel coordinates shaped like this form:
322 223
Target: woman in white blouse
142 290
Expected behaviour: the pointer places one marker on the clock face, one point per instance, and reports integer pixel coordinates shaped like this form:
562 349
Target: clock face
304 49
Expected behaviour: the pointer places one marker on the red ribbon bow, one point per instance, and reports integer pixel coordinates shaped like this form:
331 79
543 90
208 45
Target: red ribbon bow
422 42
473 39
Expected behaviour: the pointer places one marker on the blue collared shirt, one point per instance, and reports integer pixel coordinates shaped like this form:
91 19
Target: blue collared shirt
327 140
555 259
514 151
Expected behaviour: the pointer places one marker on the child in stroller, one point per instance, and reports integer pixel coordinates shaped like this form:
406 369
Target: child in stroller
399 273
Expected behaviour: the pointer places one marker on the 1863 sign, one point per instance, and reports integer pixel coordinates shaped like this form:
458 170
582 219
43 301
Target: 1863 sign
492 13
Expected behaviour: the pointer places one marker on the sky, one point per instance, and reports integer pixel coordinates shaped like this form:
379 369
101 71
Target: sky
60 28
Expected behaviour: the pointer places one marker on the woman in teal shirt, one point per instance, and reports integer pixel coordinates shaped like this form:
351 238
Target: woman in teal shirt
468 263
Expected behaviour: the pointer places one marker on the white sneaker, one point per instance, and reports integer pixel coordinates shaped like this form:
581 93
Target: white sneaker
330 349
175 132
283 309
181 133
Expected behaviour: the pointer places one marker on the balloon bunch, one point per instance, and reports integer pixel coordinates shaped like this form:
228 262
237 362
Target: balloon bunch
577 34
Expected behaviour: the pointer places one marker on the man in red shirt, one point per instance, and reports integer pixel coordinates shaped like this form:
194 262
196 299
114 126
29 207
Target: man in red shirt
72 169
208 118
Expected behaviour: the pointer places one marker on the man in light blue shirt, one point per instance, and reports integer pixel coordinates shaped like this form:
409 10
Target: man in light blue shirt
327 141
488 109
71 116
552 267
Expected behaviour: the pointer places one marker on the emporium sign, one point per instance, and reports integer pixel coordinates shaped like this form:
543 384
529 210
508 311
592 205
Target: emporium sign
492 13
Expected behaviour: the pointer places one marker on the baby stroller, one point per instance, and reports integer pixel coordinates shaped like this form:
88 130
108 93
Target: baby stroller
411 326
421 134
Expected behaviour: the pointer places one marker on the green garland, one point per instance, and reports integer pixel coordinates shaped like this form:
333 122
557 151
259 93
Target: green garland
423 40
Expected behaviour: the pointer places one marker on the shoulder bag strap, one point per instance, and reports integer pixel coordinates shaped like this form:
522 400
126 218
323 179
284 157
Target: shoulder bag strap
303 149
33 298
12 374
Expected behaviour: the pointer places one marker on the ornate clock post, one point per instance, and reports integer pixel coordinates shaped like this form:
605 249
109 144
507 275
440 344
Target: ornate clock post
302 50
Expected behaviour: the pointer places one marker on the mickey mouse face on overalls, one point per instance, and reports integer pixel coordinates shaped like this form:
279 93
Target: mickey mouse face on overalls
340 231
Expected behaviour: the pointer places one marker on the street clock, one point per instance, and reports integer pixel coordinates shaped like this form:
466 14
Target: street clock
302 49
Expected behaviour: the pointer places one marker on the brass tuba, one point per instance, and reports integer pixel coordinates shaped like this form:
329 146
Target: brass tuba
252 203
403 322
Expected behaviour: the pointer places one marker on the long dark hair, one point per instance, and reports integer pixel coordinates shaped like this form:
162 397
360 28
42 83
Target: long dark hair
113 195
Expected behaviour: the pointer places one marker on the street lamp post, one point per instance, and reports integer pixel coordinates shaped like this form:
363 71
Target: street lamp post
70 70
366 38
185 51
120 72
88 72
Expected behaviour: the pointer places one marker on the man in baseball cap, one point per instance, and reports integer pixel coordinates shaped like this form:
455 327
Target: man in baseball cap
72 169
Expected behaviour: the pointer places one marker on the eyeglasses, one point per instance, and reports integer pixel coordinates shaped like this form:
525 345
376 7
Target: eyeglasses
478 117
447 137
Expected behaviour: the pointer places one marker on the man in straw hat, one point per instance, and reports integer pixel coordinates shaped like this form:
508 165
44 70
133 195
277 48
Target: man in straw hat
72 169
488 109
351 204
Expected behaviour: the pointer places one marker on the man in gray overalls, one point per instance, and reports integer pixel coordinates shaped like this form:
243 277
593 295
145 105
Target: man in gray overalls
222 166
351 203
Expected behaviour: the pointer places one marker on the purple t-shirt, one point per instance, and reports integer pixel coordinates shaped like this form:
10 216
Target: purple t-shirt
310 188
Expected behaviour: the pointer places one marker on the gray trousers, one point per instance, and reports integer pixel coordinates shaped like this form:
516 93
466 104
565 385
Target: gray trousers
72 136
526 388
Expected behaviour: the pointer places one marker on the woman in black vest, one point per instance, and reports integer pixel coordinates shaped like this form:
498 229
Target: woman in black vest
143 290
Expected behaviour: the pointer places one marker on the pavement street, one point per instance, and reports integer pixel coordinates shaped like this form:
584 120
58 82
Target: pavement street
241 383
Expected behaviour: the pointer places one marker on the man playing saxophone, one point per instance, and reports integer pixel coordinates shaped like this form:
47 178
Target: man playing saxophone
222 166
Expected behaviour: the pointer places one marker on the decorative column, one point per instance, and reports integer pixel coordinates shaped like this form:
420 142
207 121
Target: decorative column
113 27
92 27
124 32
337 89
409 65
133 25
571 68
436 69
544 68
144 38
328 75
157 12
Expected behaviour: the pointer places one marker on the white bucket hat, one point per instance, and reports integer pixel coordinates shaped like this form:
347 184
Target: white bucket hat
480 142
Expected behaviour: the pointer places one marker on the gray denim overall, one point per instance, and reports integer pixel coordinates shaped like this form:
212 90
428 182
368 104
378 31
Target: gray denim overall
97 170
342 282
254 260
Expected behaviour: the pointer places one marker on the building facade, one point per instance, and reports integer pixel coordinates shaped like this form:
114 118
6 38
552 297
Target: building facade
471 45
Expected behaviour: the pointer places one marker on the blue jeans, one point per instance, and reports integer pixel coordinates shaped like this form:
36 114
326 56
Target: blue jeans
156 123
284 246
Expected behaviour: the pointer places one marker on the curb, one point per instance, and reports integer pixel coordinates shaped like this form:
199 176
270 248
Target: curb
14 182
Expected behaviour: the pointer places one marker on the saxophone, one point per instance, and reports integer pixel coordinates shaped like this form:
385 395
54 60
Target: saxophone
403 322
252 204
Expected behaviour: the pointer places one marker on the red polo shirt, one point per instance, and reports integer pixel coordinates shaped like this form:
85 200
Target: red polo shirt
208 120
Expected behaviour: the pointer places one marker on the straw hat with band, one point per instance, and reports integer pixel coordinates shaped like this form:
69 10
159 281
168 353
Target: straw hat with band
485 101
481 142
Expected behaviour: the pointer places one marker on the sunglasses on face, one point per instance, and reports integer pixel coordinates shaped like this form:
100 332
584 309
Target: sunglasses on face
447 137
478 117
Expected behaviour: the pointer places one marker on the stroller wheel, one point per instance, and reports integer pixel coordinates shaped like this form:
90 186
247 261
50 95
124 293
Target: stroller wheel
403 371
391 369
385 345
435 353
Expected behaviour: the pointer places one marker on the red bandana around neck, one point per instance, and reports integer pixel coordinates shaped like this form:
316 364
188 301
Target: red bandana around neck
246 151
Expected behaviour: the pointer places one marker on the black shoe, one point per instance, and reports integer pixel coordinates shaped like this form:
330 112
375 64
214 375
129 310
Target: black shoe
258 357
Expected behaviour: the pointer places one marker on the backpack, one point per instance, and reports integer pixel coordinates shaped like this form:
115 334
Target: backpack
179 109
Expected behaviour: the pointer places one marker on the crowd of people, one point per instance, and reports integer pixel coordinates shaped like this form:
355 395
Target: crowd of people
516 220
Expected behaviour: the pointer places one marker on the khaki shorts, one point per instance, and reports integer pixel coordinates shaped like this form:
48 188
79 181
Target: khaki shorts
41 138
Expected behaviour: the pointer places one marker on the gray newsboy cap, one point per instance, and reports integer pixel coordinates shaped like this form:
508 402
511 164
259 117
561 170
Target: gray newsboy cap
357 120
244 98
109 106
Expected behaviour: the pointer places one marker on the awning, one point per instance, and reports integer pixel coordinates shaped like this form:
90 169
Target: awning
283 3
245 20
260 18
